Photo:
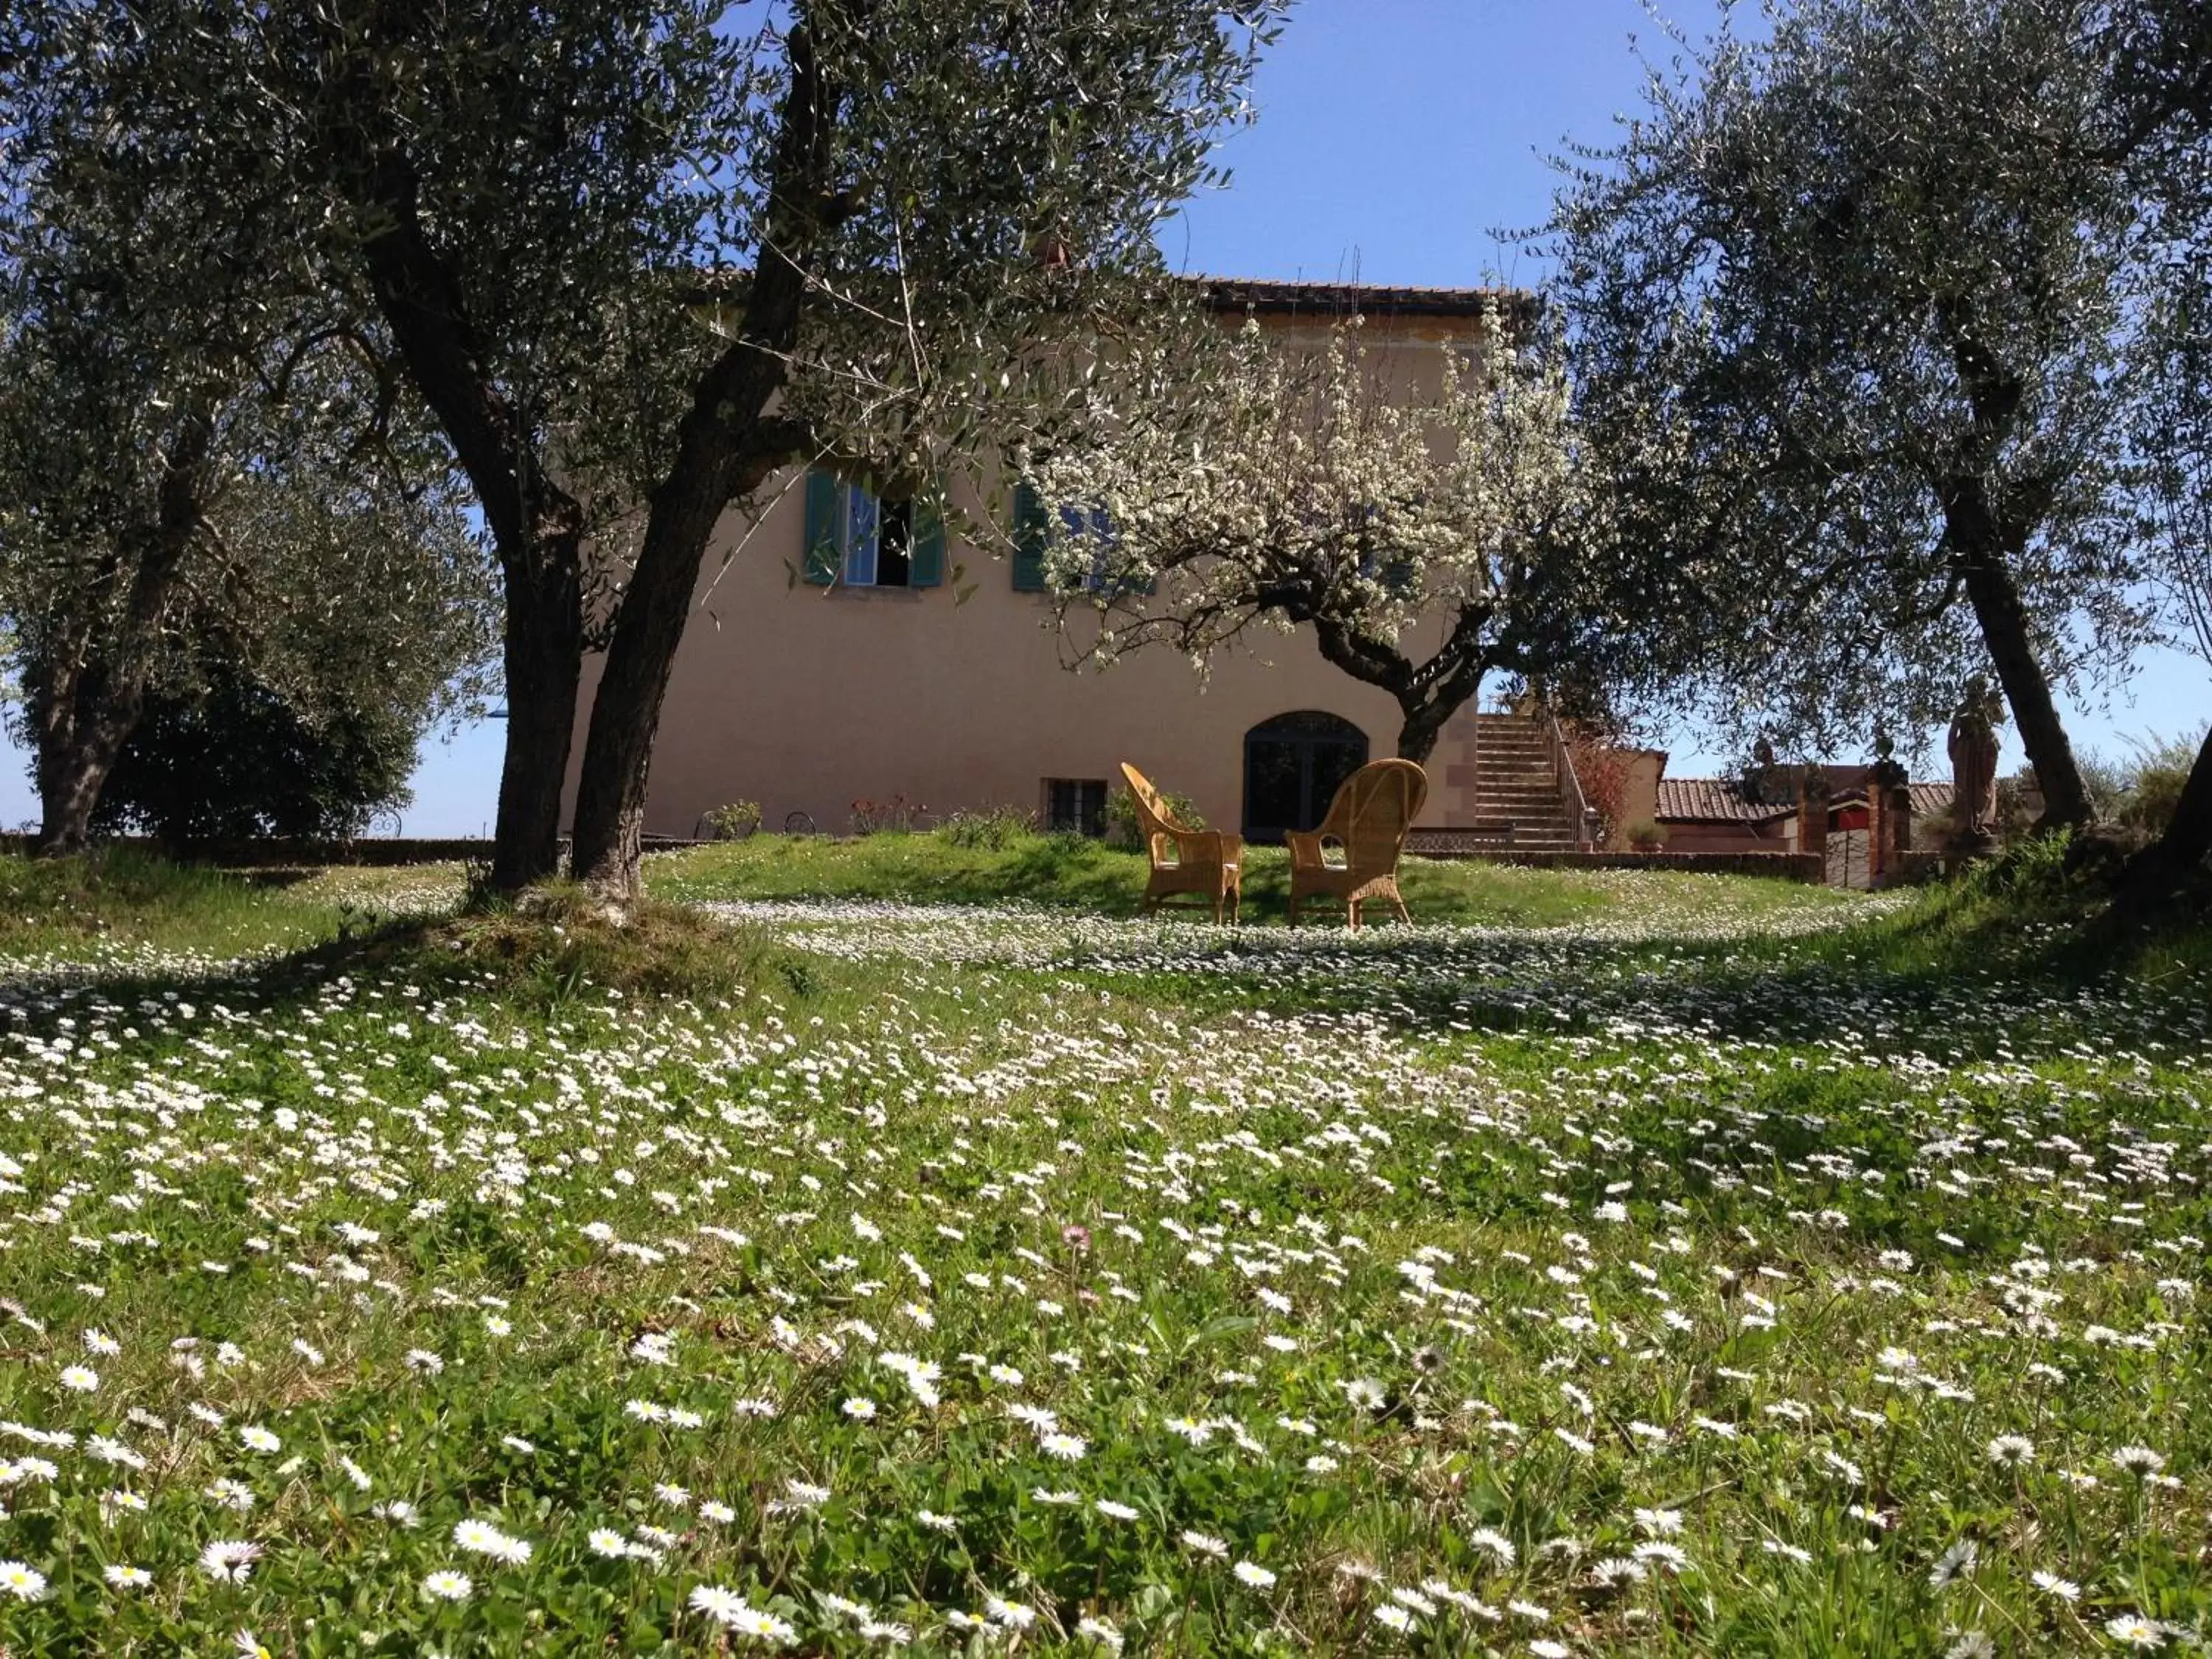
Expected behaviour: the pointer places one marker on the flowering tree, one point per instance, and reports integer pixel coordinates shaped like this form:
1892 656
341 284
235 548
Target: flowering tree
1419 510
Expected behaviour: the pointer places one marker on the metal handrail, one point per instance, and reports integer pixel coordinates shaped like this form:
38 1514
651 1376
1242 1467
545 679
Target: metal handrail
1571 785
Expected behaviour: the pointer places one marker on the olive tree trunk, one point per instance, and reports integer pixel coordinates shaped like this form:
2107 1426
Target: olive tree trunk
2171 860
1983 548
727 444
96 672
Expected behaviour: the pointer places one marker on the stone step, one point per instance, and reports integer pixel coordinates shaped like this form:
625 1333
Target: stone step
1519 806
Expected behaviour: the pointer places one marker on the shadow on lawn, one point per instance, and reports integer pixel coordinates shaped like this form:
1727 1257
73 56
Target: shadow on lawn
2000 964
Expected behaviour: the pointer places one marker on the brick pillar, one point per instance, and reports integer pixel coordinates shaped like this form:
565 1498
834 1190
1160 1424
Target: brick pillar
1889 832
1813 817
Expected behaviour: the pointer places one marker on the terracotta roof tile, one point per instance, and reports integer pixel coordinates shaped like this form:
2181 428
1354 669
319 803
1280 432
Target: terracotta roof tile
1712 800
1929 798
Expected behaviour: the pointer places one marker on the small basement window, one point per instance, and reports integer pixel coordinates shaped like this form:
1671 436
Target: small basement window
1076 805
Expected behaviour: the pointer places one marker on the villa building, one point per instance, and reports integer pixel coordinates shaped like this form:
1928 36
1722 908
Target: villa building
898 664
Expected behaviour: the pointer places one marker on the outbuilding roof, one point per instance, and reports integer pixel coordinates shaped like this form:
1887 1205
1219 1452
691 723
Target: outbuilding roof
1713 800
1721 800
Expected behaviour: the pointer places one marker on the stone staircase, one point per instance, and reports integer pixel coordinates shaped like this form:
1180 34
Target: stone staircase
1517 802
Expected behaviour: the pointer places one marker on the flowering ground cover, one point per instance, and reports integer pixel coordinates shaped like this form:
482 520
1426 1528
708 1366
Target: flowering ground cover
1707 1275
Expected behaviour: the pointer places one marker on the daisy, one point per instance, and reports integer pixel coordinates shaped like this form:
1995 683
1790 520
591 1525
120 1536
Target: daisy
2139 1461
1499 1546
25 1584
1067 1447
859 1409
765 1627
447 1585
722 1606
230 1560
2051 1584
480 1538
1205 1544
254 1437
2011 1450
1954 1563
79 1379
2133 1631
1252 1573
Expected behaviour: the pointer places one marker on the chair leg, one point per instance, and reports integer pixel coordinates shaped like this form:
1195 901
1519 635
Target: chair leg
1399 899
1352 915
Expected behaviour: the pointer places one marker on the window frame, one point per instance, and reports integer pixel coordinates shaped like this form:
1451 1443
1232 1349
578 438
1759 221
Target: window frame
1089 808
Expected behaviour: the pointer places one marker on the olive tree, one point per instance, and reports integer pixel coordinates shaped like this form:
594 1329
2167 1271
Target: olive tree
2161 67
1422 509
884 211
1849 308
175 408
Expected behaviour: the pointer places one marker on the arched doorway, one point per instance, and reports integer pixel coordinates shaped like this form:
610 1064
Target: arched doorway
1292 765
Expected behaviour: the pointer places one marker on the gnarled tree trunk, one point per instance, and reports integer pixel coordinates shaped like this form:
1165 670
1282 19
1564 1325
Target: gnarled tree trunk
1983 549
727 445
2183 850
95 679
543 653
536 526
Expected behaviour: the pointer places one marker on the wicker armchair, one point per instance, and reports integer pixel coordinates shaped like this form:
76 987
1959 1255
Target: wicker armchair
1205 865
1366 826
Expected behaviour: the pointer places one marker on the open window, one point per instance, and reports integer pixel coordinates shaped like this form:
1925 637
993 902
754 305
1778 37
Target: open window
856 539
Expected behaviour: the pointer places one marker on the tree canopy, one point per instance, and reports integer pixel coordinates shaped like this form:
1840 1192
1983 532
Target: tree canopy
887 212
202 452
1850 313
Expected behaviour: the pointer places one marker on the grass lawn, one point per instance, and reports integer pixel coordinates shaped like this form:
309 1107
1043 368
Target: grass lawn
1078 873
904 1244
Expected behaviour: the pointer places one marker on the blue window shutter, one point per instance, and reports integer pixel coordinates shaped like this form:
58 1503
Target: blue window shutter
821 556
1030 535
926 553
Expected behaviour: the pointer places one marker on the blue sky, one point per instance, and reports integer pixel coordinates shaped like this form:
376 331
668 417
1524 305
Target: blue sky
1395 139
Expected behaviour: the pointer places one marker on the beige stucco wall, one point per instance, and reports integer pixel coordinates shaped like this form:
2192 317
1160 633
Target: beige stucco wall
805 699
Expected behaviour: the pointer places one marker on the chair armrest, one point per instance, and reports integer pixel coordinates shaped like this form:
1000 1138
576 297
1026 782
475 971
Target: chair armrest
1307 848
1207 846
